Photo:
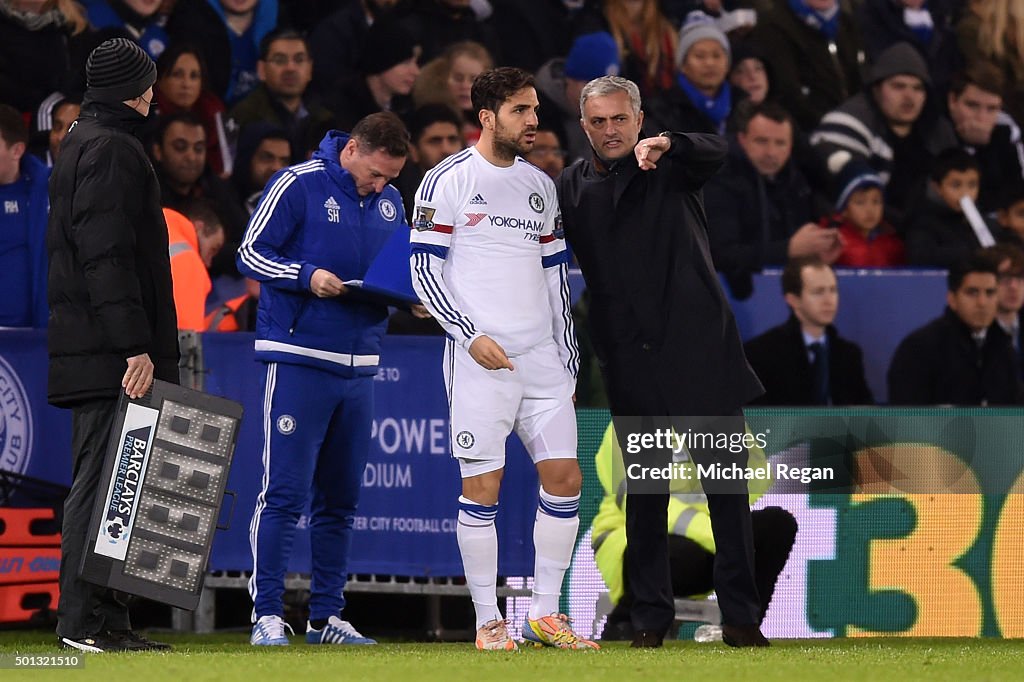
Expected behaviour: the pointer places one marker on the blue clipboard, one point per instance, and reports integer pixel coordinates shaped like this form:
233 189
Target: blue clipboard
388 280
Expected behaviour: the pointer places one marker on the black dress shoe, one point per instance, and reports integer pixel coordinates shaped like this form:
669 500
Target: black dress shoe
136 642
647 639
743 636
617 632
93 644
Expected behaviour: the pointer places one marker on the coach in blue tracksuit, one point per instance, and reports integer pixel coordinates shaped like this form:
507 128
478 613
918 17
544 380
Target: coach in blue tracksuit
318 224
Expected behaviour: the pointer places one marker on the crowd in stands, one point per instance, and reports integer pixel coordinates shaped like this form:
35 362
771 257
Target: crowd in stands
862 133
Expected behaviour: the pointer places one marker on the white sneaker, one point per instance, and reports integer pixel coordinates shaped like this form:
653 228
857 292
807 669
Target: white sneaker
337 631
708 633
269 631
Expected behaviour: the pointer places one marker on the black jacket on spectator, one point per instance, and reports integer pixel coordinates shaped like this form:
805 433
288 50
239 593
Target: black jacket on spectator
532 32
903 161
305 133
353 101
751 217
336 43
673 110
197 23
556 113
806 77
939 237
881 24
659 319
436 25
109 284
779 358
33 63
999 162
941 364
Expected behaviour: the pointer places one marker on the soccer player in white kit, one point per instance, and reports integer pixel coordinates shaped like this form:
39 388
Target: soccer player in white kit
489 262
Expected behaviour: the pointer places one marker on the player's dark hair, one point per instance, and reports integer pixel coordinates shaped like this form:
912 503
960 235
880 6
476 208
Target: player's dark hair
382 131
978 262
492 88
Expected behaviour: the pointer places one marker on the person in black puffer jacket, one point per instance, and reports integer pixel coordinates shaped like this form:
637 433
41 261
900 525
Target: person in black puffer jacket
112 324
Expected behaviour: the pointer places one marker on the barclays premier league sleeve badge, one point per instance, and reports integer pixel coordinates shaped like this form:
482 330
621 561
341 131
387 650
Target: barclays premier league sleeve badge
423 220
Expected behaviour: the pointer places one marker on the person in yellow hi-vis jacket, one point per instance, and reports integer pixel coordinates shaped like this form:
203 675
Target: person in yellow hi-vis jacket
691 543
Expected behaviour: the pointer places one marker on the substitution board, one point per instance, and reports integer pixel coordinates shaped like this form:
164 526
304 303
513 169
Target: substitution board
161 493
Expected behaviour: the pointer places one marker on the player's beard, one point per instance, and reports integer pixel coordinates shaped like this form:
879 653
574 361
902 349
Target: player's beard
506 146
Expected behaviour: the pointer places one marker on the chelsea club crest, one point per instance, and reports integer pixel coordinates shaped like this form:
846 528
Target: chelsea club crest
537 202
387 209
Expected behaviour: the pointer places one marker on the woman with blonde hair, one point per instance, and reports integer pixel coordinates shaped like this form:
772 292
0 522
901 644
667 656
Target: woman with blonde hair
993 31
449 80
35 48
647 41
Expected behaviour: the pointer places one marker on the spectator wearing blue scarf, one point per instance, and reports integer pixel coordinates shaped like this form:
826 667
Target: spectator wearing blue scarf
926 25
814 49
701 98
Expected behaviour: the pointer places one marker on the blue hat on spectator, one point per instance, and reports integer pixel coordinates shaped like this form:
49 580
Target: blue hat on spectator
592 56
856 175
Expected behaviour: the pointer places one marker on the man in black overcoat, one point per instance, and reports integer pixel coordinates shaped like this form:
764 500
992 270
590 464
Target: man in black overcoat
112 325
662 330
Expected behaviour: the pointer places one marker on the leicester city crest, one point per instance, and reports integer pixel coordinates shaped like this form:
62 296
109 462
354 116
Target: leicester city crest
15 422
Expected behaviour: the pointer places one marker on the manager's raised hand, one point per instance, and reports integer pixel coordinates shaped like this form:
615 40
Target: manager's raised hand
650 149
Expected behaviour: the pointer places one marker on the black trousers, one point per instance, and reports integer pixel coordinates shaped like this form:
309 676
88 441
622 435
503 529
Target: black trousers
692 567
86 609
647 551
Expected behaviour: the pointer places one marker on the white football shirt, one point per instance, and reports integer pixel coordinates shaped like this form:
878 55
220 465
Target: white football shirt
495 229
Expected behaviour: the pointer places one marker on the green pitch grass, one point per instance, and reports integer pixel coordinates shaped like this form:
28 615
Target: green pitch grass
229 658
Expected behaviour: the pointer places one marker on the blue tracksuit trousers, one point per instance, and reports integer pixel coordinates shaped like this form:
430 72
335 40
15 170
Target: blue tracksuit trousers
316 428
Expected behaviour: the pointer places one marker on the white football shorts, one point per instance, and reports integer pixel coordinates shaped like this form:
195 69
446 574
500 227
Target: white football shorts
485 406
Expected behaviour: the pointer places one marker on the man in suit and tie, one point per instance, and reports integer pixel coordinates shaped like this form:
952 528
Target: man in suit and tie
1009 261
804 361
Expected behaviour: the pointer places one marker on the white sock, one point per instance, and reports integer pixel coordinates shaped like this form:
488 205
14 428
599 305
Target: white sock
478 544
554 537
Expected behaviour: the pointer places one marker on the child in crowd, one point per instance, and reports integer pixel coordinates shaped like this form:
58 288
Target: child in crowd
1010 214
870 241
940 234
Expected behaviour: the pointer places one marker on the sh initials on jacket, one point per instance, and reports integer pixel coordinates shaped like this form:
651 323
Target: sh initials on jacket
333 210
10 207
